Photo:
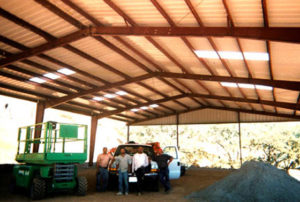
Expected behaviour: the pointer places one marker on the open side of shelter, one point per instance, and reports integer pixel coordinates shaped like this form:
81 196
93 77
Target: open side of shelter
153 62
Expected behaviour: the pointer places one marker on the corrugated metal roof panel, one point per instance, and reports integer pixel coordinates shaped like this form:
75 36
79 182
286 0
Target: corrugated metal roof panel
215 88
71 12
101 11
185 56
265 94
153 53
194 86
18 94
285 60
283 95
56 67
269 108
189 102
101 52
285 111
211 12
163 88
136 46
82 64
29 86
178 12
246 13
142 12
38 16
142 91
19 34
214 102
8 48
174 105
284 13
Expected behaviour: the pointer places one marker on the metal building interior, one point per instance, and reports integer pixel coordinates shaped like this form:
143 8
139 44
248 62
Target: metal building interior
154 62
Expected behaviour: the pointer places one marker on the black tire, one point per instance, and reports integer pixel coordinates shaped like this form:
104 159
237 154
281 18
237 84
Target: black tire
182 171
37 189
155 186
13 186
82 186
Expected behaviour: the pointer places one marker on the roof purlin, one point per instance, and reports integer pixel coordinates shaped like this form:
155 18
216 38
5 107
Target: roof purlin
214 46
187 43
79 25
63 84
116 49
126 17
241 50
49 37
284 84
46 97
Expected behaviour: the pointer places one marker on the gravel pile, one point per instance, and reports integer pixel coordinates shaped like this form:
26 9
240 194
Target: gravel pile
254 181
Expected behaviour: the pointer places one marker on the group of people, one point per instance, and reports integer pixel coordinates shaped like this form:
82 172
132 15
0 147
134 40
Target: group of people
135 165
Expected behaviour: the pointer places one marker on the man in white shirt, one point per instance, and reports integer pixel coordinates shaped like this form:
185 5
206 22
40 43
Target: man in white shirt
139 163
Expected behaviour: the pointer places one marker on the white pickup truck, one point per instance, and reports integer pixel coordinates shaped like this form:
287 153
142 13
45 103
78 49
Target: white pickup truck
151 175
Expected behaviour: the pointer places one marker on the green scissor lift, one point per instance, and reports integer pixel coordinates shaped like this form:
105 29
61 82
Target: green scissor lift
52 166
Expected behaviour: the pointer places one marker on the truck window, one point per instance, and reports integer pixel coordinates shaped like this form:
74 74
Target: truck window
171 151
132 149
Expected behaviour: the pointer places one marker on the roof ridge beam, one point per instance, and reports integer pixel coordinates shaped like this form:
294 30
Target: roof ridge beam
114 112
284 34
285 105
284 84
55 102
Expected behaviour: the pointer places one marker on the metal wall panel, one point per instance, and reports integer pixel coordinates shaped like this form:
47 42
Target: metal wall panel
170 120
210 116
245 117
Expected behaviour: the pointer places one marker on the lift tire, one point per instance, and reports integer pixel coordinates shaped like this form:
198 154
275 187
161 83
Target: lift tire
82 186
37 189
13 186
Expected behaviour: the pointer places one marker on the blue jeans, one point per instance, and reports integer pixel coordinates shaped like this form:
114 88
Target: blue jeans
163 175
123 177
102 179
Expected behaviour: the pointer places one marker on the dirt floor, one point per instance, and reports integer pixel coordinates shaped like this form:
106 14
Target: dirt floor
194 179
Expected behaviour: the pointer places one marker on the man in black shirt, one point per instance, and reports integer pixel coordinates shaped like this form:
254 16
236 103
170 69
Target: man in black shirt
163 161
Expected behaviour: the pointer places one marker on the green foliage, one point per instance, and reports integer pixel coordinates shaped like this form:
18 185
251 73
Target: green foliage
217 145
275 143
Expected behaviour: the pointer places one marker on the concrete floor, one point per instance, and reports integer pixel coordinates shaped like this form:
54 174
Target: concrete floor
195 179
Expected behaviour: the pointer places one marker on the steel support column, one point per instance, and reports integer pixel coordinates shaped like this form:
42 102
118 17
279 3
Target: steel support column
240 138
39 117
177 132
94 124
128 132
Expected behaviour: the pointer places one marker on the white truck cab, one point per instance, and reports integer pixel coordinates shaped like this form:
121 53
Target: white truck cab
175 166
151 175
